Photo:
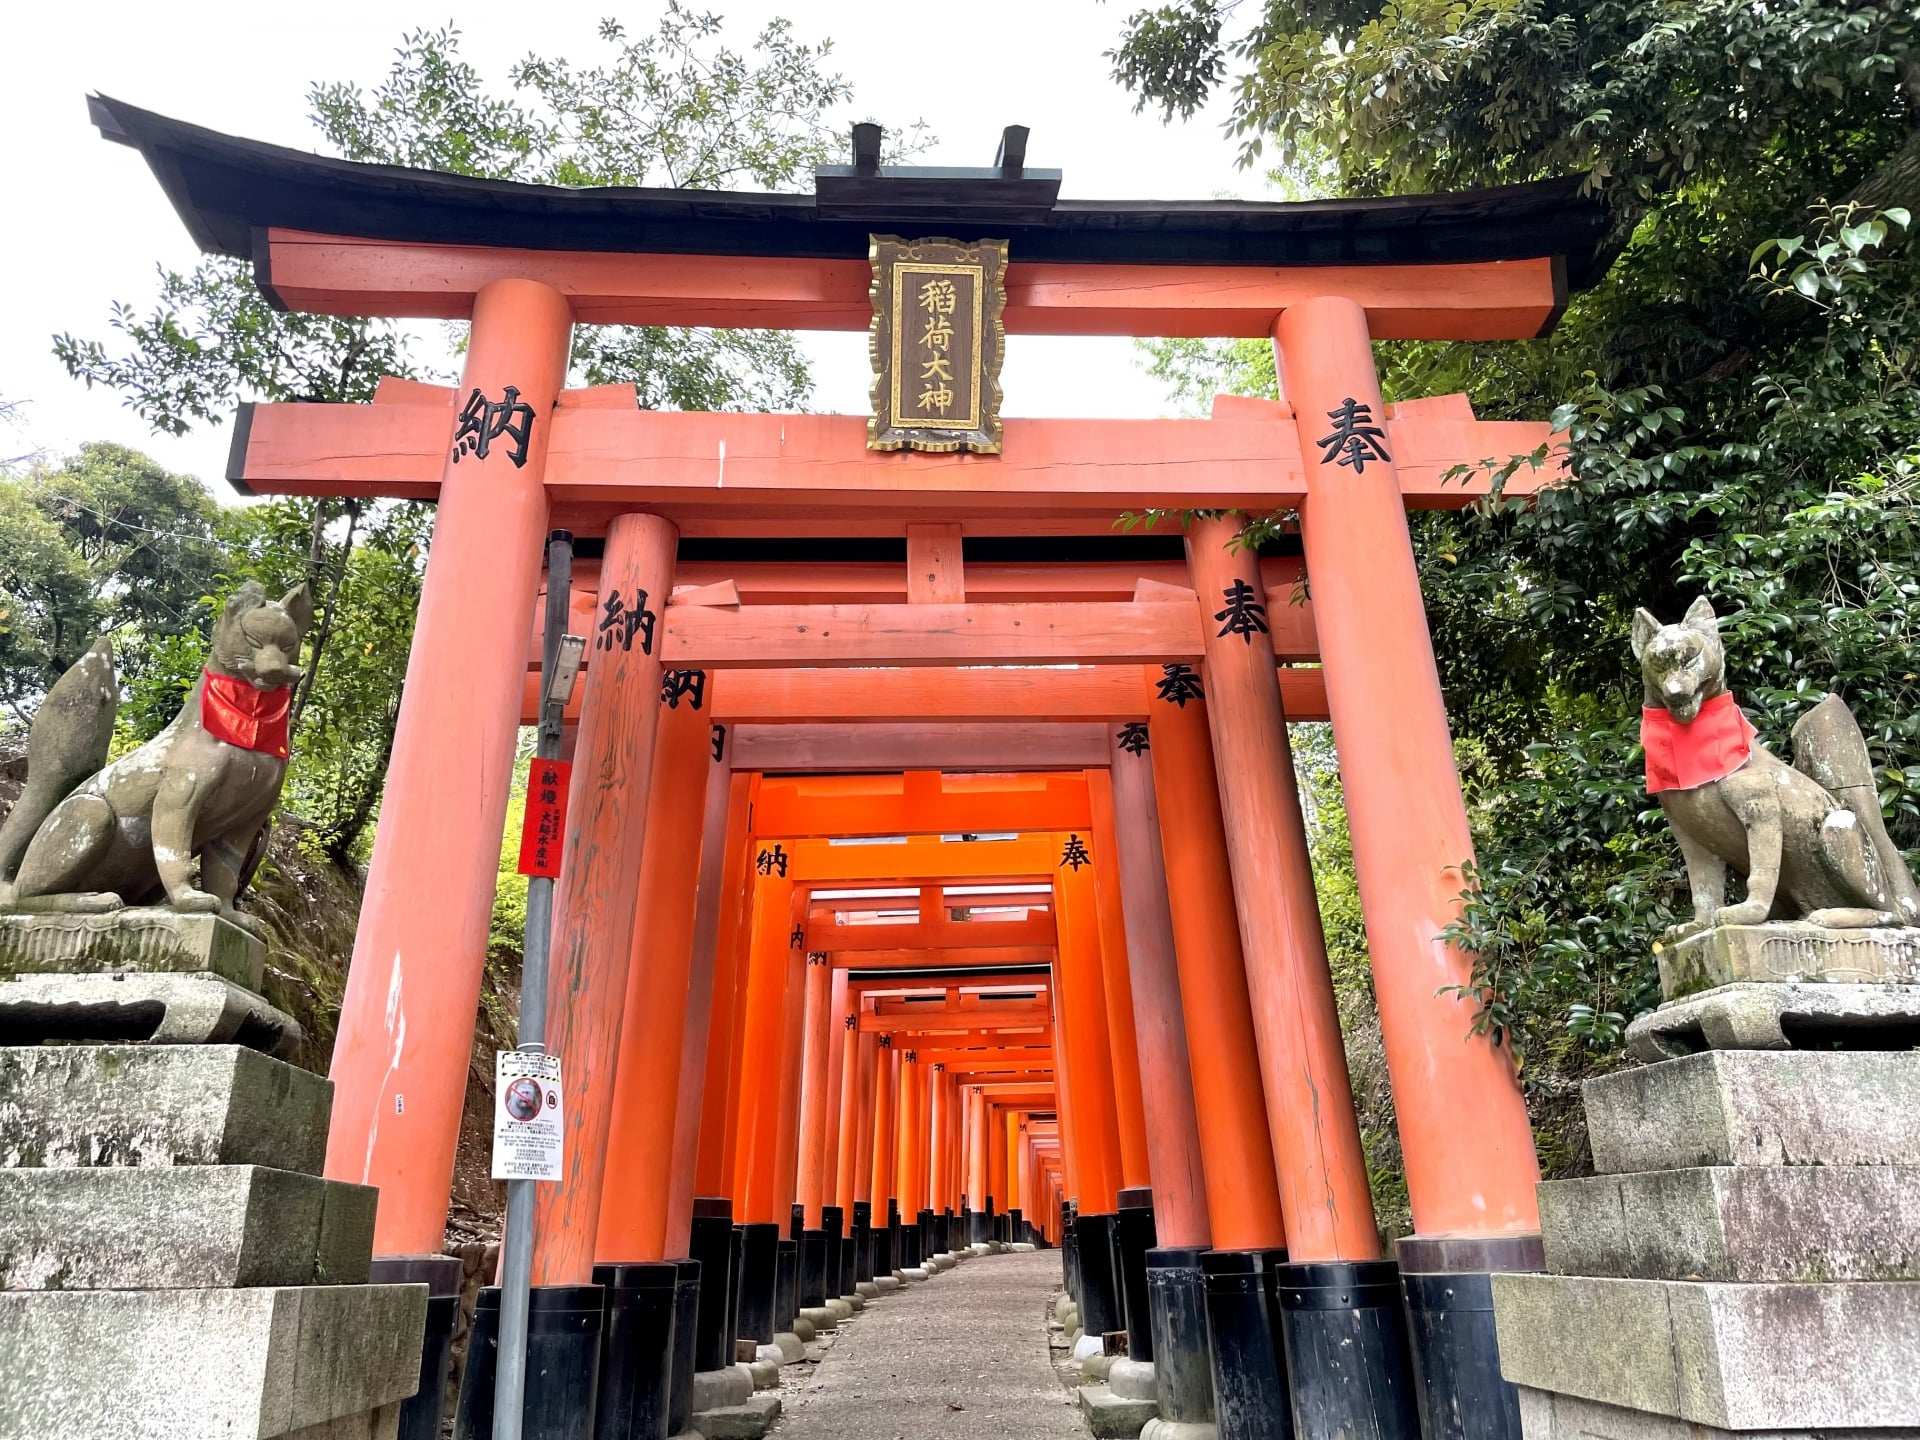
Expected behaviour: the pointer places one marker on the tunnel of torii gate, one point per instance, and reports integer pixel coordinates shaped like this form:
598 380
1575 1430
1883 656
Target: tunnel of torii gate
933 868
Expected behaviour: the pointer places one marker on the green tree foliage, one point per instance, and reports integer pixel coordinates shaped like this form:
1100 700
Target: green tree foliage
675 107
107 543
1737 396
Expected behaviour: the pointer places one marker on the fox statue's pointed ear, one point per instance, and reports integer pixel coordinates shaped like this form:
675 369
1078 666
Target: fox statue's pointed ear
1645 627
1700 615
298 603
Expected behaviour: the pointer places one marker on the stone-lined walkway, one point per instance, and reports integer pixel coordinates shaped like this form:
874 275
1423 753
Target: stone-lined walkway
960 1357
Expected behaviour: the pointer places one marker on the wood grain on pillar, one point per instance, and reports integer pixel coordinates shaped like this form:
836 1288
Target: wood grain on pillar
595 894
1322 1170
405 1040
1468 1148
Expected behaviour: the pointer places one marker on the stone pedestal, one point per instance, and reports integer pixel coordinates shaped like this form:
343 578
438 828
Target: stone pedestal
172 1263
1734 954
147 938
1747 1259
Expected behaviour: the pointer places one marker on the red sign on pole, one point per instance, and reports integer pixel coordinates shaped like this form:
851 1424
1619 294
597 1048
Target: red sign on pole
546 824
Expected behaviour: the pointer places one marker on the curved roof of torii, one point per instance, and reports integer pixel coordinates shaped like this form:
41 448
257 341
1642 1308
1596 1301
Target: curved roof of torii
229 191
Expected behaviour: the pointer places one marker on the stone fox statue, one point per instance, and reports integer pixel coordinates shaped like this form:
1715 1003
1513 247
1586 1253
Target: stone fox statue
1809 837
86 836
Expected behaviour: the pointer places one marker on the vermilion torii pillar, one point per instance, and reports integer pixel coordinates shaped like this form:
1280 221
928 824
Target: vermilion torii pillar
723 839
599 880
818 1020
1117 987
1159 1021
643 1103
399 1077
1323 1174
1470 1161
1236 1145
1094 1141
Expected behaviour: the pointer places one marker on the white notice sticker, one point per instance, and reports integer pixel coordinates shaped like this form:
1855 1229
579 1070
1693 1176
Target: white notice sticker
527 1116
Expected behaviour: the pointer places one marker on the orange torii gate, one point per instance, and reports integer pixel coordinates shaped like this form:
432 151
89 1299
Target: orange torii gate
1236 927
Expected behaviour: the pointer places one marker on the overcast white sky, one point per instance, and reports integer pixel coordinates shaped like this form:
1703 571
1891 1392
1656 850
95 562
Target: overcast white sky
88 224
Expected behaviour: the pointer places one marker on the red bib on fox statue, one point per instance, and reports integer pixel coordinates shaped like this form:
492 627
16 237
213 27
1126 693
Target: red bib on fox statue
233 711
1687 756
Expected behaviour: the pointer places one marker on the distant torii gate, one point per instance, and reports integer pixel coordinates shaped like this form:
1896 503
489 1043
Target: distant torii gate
524 263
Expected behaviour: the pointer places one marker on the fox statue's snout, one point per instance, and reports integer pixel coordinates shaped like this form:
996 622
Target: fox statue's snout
1683 666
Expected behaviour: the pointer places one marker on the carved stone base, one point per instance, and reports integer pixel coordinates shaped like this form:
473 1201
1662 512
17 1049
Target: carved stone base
169 1009
144 937
1795 951
1769 1015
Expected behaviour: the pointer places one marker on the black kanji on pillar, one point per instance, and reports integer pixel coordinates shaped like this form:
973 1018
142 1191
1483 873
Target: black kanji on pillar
771 862
1074 853
719 733
1132 737
1355 438
690 683
1246 613
1179 684
620 622
484 421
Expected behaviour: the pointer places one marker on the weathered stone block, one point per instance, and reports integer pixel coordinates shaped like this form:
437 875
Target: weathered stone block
145 937
1780 1016
1727 954
381 1424
1757 1107
199 1009
1114 1417
189 1364
1725 1223
713 1389
1546 1416
201 1225
160 1105
747 1421
1742 1357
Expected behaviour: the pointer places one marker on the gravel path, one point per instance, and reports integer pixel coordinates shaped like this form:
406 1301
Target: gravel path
961 1357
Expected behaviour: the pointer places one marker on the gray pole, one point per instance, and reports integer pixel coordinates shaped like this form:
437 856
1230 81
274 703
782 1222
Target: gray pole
516 1259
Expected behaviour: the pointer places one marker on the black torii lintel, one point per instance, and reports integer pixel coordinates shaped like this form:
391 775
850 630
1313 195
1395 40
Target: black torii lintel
228 191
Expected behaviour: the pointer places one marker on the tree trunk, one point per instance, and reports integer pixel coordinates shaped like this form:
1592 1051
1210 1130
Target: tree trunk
334 595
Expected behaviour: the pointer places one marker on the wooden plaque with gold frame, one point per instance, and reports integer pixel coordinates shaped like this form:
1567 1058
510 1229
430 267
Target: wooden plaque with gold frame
937 342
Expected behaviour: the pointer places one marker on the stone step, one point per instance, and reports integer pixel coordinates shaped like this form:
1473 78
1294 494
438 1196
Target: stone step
1741 1357
1757 1107
159 1105
1726 1223
189 1364
199 1009
191 1226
